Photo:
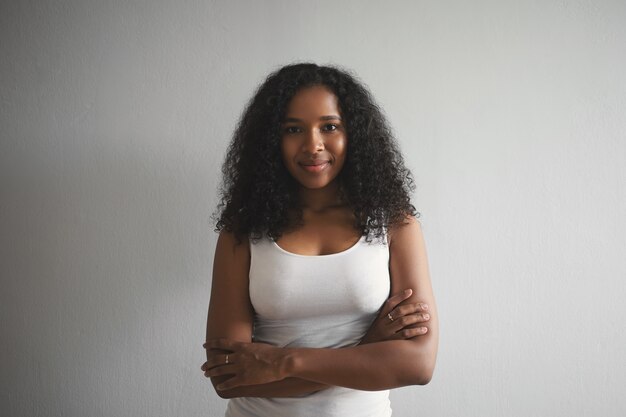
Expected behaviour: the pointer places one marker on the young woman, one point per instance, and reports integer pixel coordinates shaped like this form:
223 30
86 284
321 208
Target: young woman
316 231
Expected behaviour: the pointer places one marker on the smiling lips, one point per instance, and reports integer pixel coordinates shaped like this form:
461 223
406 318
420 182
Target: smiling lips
314 166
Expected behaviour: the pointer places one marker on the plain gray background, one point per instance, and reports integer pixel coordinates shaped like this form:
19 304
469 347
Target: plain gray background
114 119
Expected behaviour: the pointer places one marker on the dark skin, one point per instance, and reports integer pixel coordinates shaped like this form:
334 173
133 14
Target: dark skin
393 353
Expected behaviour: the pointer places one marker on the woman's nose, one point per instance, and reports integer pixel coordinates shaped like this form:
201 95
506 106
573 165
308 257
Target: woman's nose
313 142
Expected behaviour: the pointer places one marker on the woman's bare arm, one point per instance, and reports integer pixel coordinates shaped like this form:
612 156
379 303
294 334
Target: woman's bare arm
231 315
374 366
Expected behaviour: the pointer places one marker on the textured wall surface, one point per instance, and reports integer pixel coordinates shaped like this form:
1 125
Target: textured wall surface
114 117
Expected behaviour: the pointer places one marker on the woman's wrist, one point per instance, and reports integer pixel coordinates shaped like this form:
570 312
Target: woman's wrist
289 363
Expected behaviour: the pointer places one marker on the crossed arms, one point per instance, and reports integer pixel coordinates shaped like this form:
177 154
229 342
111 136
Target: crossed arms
392 354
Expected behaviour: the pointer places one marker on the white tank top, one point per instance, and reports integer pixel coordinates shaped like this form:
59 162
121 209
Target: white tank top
326 301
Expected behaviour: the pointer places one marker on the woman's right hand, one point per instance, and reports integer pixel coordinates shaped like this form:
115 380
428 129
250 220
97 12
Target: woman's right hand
398 322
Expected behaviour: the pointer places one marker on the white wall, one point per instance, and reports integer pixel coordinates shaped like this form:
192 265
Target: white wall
113 121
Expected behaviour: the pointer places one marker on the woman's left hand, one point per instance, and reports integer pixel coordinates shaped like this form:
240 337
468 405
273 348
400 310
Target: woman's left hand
248 363
398 322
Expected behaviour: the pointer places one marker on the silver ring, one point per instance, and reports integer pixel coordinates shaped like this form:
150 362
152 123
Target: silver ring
227 360
389 317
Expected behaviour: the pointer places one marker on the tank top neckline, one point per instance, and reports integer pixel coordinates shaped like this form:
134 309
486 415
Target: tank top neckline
328 255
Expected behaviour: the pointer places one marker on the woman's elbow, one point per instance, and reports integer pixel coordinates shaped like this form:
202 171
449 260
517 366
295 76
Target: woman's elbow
423 363
425 377
421 372
421 376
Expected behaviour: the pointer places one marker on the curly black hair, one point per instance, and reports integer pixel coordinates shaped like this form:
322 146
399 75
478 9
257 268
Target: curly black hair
257 191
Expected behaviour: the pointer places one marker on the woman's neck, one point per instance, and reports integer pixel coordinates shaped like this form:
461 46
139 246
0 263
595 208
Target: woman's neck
320 199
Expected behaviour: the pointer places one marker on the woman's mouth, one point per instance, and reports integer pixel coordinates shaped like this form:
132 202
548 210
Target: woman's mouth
316 166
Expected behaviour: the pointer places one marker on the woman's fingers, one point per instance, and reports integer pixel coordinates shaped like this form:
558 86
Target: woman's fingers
411 333
408 320
229 384
221 370
394 300
409 309
247 363
219 364
404 320
218 360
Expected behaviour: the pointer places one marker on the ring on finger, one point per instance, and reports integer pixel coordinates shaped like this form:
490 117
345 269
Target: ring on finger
389 317
227 360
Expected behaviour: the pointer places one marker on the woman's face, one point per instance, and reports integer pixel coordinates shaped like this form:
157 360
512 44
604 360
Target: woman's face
314 142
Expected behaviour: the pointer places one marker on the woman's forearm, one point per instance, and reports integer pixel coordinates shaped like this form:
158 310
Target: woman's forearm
371 367
288 387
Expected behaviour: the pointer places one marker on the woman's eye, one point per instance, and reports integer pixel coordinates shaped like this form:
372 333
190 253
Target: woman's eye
330 127
292 129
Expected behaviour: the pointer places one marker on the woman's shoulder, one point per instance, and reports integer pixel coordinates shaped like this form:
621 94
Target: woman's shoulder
239 246
408 228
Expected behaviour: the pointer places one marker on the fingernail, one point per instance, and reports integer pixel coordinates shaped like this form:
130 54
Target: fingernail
425 306
426 316
423 329
408 291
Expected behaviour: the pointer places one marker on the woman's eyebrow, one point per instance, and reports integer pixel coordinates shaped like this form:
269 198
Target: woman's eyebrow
294 119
